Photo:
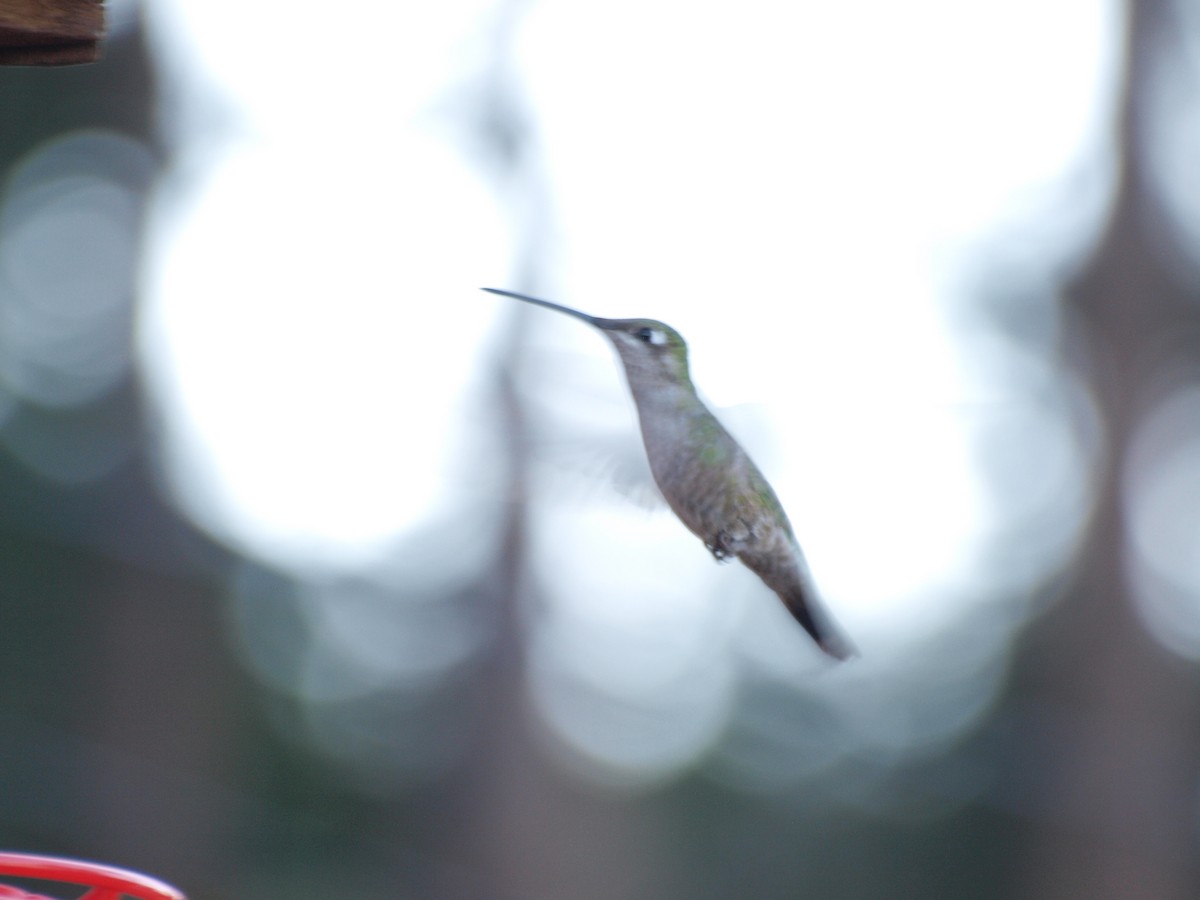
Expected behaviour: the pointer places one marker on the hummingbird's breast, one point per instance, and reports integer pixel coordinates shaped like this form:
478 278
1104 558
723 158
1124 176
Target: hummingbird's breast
705 476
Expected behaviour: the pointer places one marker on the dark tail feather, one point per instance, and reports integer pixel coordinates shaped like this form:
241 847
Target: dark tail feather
807 610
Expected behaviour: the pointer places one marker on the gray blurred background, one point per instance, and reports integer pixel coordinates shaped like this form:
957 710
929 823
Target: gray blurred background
324 574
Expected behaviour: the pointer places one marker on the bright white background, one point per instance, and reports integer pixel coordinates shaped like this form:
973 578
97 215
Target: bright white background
827 200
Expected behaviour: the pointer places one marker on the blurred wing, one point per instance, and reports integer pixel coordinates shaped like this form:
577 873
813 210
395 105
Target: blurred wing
595 464
586 463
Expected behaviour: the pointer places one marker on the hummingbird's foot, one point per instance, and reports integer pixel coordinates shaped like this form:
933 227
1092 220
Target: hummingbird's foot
717 548
724 544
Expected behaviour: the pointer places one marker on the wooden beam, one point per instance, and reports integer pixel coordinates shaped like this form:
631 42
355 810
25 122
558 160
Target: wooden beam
50 32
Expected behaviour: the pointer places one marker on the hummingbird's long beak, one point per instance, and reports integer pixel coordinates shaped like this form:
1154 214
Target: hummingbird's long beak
591 320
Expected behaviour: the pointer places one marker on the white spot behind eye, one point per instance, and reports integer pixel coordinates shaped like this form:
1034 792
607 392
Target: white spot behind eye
658 338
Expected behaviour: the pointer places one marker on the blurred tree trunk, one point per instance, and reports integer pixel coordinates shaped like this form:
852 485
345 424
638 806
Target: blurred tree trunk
530 830
162 728
1121 801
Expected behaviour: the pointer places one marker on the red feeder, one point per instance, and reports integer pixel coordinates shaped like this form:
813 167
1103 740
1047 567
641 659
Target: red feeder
106 882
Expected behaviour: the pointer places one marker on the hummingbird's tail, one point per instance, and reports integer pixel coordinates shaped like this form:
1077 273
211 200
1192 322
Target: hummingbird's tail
786 573
802 603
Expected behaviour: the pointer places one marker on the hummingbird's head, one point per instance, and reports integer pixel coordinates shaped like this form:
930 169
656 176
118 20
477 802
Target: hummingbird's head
653 353
650 350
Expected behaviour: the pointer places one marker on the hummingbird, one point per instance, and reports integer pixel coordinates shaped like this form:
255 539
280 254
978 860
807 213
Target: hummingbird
706 477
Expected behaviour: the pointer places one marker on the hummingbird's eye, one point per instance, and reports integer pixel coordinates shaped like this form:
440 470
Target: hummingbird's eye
650 336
